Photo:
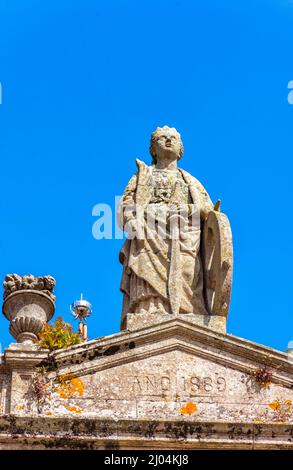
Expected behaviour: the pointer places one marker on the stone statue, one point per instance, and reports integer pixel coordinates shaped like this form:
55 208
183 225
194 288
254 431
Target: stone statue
177 258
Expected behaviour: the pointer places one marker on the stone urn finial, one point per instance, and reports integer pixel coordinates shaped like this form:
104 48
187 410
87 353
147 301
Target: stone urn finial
28 304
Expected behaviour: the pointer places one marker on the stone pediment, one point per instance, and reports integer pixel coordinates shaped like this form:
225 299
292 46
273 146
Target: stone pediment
175 335
171 370
165 383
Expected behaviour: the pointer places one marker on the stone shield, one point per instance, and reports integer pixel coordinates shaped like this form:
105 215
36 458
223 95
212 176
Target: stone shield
217 255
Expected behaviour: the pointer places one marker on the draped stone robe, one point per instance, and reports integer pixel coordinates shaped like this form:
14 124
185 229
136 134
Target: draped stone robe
161 274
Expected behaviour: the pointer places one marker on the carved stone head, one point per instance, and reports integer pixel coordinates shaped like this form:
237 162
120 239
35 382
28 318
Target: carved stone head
166 143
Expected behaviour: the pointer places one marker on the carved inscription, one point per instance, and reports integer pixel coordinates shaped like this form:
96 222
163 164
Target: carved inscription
150 384
162 385
195 385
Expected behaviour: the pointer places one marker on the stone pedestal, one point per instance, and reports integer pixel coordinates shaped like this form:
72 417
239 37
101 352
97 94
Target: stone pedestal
135 321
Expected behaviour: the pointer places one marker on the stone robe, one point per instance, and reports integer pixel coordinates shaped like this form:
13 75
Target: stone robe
163 274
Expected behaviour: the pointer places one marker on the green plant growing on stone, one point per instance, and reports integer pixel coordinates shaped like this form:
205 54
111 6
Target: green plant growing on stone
58 335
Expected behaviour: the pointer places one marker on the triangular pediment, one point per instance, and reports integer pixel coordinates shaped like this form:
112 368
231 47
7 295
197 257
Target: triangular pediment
172 370
174 335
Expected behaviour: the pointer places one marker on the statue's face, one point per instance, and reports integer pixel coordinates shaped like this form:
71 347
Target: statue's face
167 144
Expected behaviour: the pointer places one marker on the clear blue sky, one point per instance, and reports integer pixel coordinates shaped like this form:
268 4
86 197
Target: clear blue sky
85 82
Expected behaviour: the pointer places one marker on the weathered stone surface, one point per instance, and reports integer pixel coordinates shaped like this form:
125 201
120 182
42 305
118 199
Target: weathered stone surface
172 378
28 304
77 433
15 282
217 254
177 258
134 321
180 378
172 370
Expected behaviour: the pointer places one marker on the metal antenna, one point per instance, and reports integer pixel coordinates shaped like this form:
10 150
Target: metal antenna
81 310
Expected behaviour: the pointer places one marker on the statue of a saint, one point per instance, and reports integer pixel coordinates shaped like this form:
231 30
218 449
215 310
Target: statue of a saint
166 268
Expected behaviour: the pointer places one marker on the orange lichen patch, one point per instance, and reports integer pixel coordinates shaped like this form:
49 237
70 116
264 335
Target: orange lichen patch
64 378
49 413
78 386
74 409
281 406
275 405
63 391
70 387
188 409
19 407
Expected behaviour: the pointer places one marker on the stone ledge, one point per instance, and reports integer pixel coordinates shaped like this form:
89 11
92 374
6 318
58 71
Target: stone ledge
79 433
181 330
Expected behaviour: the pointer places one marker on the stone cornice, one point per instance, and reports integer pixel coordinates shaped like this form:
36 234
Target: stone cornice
24 357
225 349
99 433
126 347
